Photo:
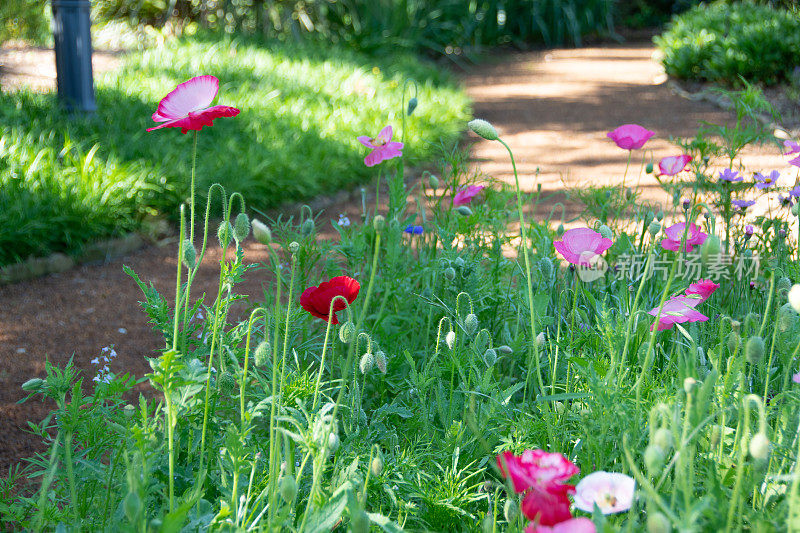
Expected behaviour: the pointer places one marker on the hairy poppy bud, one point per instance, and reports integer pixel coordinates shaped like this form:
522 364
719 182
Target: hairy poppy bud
227 383
504 349
434 181
784 285
376 466
733 341
751 322
459 262
333 442
359 521
224 233
366 363
379 223
412 105
471 324
33 385
487 524
294 247
754 349
689 384
710 248
660 216
560 230
663 438
450 339
483 129
759 446
605 231
649 168
490 357
653 459
347 332
654 228
189 254
381 361
262 354
261 232
464 210
288 488
715 436
241 227
546 266
658 523
510 510
450 273
307 227
787 318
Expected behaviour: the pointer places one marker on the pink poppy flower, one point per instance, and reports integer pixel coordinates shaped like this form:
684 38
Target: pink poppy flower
535 468
677 310
795 161
611 491
764 182
630 136
573 525
702 289
382 147
580 245
188 106
671 166
793 147
694 237
549 504
464 196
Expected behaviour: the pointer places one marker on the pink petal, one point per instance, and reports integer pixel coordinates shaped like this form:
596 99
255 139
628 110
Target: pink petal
795 161
573 525
566 253
373 158
385 135
630 136
366 141
196 120
192 95
611 491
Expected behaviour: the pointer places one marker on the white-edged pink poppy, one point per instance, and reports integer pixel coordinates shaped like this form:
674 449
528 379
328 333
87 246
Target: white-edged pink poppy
188 106
672 165
611 491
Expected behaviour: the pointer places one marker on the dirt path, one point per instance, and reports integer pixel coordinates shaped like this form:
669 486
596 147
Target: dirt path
554 109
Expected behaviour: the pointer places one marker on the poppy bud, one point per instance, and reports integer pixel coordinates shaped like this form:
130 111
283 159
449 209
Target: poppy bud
759 446
376 466
709 248
605 231
224 233
689 384
649 168
471 324
782 233
658 523
189 254
433 181
733 341
33 385
307 227
540 338
787 318
653 459
735 325
483 129
346 332
379 223
490 357
794 297
510 510
459 262
450 273
560 230
784 284
504 349
663 438
546 266
261 232
686 204
241 227
227 383
366 363
412 105
381 361
660 216
132 505
464 210
294 247
649 217
487 524
754 349
794 209
333 442
654 228
450 339
262 354
288 488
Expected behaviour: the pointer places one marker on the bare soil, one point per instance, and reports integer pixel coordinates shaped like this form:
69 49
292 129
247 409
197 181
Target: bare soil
553 108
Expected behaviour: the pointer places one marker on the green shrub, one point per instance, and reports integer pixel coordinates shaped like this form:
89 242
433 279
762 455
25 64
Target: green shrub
24 19
721 43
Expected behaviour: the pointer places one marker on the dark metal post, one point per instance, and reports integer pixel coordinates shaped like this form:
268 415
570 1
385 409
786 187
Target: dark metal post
73 44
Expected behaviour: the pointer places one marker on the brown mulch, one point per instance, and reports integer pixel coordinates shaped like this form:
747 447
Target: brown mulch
553 108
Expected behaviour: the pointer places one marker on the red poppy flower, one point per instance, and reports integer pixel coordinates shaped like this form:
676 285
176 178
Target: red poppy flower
549 504
317 300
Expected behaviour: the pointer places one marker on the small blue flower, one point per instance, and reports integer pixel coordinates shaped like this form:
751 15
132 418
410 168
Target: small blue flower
414 230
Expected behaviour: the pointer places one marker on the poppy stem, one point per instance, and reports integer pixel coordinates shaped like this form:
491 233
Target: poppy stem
625 175
191 190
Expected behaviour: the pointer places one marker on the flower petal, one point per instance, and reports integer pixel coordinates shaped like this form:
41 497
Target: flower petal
192 95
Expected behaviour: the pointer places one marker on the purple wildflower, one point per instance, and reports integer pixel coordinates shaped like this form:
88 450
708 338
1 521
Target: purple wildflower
730 175
743 204
764 182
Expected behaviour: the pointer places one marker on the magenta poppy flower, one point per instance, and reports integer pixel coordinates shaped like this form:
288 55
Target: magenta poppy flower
630 136
465 195
611 491
671 166
548 504
535 467
573 525
730 175
694 237
764 182
793 147
677 310
580 245
743 204
382 147
188 106
702 289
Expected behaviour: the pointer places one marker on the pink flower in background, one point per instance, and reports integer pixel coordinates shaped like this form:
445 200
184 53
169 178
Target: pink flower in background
382 147
694 237
611 491
535 467
573 525
677 310
764 182
671 166
796 378
464 196
793 147
580 245
730 175
630 136
749 230
702 289
188 106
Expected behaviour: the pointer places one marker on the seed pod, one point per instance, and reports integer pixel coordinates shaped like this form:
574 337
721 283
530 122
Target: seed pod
366 363
733 341
653 459
189 254
288 488
483 129
754 349
376 466
606 232
227 383
510 510
263 351
450 339
412 105
464 210
450 273
505 349
471 324
347 332
658 523
224 233
241 227
261 232
490 357
759 446
132 505
381 361
379 223
433 181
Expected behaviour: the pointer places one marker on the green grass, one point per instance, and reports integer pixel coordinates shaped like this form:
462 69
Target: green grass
66 181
